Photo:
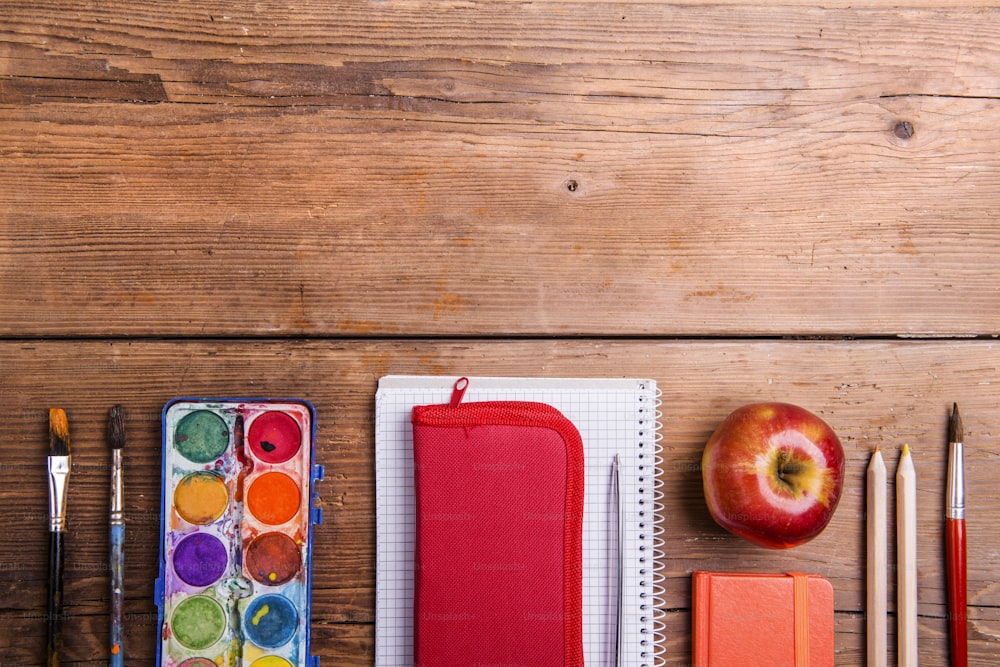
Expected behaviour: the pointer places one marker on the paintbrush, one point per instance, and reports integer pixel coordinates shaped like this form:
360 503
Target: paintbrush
116 438
59 466
955 546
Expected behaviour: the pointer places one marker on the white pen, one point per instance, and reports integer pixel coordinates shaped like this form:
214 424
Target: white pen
615 542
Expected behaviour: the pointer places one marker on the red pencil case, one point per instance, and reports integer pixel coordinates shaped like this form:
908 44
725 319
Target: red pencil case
499 493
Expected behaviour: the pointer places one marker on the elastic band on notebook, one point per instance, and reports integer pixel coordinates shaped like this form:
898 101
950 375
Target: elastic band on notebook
800 584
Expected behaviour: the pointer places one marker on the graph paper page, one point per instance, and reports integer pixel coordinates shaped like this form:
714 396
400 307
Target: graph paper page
614 416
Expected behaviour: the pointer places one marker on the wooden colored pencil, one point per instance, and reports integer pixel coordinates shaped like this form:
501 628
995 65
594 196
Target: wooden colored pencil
906 550
877 568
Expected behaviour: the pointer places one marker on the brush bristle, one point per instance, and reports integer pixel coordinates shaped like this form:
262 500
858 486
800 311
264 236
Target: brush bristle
955 428
58 433
116 427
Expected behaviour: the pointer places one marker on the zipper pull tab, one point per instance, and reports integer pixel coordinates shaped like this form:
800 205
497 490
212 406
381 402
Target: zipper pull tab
459 391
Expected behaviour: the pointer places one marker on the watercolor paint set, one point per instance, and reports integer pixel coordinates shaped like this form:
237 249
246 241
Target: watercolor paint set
237 518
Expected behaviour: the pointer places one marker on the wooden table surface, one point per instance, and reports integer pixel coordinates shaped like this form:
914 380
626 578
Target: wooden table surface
744 202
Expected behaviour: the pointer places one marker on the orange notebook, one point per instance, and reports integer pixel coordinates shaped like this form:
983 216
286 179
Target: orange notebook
749 620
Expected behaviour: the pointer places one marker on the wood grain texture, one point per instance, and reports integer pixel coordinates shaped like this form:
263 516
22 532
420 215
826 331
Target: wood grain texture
872 393
334 169
204 198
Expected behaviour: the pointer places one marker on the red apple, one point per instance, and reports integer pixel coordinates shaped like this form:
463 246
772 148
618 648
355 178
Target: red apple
773 473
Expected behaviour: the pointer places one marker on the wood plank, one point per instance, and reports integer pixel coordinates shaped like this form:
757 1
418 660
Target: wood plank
499 168
870 392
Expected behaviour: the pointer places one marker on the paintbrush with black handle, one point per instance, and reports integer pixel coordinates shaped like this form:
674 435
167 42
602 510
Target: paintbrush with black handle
59 467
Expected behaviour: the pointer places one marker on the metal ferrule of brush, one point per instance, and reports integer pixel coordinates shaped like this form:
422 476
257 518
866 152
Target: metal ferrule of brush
117 488
955 492
58 478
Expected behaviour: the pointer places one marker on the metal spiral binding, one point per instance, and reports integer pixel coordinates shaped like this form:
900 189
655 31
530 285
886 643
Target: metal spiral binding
658 587
651 541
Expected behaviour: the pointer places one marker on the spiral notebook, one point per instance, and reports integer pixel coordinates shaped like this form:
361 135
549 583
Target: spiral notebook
615 417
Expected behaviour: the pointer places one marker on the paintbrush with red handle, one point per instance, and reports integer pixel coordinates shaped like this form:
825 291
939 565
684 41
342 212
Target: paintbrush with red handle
955 549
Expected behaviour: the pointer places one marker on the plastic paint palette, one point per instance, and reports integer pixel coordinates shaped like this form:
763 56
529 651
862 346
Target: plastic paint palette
236 533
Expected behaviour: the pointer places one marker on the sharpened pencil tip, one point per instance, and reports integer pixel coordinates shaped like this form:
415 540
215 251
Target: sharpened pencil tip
955 428
58 433
116 427
906 450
